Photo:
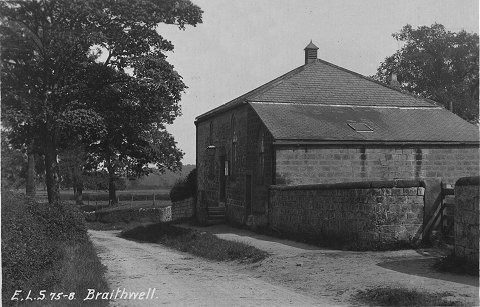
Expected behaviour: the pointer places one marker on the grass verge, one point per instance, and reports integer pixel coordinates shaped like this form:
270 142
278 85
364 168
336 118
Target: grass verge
386 296
198 243
110 226
46 247
119 225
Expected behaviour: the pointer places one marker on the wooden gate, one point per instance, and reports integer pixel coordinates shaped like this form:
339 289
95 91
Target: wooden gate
442 219
447 212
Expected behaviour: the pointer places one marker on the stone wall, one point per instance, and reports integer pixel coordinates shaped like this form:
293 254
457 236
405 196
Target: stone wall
360 163
466 218
210 146
244 164
183 209
180 210
153 215
379 213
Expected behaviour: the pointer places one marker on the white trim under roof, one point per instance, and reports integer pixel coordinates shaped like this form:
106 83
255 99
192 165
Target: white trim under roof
347 105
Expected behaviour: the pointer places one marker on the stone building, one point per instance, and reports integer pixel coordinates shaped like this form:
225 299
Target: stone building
321 123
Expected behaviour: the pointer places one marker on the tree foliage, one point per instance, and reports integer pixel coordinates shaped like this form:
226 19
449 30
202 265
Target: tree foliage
92 72
439 65
14 167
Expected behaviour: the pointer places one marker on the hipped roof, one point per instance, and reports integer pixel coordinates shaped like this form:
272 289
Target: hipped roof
316 101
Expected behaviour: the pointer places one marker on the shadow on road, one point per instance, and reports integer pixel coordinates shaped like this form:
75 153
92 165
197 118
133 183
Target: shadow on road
424 268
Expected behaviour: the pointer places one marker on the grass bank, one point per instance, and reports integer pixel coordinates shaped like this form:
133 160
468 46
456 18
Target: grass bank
46 247
403 297
198 243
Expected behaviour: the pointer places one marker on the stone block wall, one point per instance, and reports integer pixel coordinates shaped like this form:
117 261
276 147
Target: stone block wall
333 164
366 212
183 209
466 218
211 145
176 211
154 215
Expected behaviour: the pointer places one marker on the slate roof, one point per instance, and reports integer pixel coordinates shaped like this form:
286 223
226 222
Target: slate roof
320 82
323 123
316 101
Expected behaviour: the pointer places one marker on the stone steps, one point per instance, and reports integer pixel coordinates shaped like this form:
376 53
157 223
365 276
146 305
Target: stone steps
216 215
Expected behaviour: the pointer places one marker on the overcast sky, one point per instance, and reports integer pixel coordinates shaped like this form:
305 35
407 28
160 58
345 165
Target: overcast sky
243 44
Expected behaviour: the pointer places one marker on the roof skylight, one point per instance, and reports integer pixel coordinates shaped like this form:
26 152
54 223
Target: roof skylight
360 127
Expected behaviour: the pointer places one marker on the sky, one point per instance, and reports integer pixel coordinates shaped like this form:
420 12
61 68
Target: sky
245 43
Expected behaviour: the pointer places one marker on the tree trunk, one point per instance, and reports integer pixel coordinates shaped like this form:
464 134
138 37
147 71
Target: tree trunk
111 185
30 188
79 194
77 183
52 171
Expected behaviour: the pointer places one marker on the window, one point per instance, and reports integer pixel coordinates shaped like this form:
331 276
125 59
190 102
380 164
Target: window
234 145
222 175
210 134
261 155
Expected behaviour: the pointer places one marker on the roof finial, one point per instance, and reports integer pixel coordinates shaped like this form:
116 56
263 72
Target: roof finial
310 53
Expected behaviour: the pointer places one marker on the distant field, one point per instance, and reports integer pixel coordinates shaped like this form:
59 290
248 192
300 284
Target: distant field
137 198
136 205
123 192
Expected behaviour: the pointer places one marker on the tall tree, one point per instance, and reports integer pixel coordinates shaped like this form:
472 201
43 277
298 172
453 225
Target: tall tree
72 170
52 73
30 186
439 65
44 54
136 112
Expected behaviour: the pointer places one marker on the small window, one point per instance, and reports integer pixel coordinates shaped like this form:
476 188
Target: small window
233 155
210 134
233 125
261 154
226 168
360 127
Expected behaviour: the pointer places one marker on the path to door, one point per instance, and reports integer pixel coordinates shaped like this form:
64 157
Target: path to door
180 279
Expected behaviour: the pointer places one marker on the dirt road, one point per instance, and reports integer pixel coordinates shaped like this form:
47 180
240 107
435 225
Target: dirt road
182 280
295 274
337 275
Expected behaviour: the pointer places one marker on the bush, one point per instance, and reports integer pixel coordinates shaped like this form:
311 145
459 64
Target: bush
36 238
185 188
26 255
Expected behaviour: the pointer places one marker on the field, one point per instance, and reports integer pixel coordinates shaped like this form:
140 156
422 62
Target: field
98 199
